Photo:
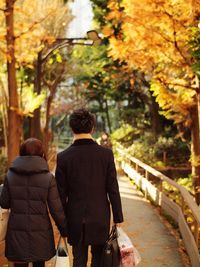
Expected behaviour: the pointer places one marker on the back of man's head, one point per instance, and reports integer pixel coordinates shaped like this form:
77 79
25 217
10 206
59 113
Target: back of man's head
82 121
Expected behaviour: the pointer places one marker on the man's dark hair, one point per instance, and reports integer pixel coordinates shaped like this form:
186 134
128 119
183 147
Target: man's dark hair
32 147
82 121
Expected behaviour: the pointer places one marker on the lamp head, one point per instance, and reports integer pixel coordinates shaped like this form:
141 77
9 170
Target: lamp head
93 35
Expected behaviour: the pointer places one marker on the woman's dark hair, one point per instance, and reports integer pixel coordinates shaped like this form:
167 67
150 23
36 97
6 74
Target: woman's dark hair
82 121
32 147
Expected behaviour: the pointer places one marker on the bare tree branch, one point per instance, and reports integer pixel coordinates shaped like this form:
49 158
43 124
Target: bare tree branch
175 37
176 44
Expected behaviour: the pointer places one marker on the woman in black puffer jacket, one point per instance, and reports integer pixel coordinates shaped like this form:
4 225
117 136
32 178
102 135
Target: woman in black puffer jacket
29 191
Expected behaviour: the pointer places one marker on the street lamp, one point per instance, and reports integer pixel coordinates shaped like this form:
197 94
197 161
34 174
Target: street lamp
93 35
92 39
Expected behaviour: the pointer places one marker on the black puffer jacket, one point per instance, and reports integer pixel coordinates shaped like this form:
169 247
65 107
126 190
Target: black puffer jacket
29 190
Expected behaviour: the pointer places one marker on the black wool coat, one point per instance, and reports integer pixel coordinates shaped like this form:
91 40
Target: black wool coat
87 183
29 190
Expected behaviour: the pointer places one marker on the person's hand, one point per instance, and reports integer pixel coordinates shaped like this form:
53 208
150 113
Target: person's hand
117 224
65 240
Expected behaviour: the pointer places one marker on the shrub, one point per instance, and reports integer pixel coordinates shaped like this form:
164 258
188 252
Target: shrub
125 134
171 151
157 152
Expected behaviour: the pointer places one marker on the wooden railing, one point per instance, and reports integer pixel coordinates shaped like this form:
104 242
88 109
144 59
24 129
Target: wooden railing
182 209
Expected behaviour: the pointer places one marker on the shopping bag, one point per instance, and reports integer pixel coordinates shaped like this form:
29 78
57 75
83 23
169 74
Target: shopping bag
4 216
111 254
129 254
62 256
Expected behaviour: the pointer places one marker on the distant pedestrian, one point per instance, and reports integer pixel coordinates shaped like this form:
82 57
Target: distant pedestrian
105 140
29 191
87 182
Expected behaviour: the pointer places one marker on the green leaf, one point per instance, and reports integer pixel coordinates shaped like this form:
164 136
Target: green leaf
196 66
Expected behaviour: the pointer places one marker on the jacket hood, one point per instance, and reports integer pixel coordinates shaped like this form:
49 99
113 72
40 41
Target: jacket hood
29 164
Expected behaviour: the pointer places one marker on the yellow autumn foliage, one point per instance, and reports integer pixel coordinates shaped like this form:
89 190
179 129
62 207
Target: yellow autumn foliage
30 101
154 37
37 22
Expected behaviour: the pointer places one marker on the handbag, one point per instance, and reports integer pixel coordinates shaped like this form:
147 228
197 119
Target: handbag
62 256
129 254
4 216
111 253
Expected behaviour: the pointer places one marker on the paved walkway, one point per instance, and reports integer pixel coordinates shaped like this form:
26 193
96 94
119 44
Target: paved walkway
158 248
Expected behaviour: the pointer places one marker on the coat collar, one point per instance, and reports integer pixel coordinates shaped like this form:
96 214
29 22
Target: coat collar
29 164
80 142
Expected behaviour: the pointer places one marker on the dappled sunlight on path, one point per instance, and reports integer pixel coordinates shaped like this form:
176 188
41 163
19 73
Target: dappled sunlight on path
126 191
157 246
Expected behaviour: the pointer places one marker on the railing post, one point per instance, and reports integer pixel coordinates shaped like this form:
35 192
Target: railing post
160 188
147 177
136 167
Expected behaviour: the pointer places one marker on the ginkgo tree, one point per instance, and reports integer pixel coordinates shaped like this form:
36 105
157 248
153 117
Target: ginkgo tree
154 36
54 27
23 33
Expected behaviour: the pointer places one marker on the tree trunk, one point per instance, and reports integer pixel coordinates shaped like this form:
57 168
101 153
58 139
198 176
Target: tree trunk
103 122
155 118
107 116
5 125
14 120
101 109
195 151
4 115
35 121
46 136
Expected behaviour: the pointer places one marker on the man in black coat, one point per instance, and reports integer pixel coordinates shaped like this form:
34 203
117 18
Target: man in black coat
87 183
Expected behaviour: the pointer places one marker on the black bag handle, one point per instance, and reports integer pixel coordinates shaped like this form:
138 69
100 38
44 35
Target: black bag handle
113 233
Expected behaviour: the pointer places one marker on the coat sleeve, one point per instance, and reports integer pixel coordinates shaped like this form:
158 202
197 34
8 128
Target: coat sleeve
113 190
55 207
61 183
5 196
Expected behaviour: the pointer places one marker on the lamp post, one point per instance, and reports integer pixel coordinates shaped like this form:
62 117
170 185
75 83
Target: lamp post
59 43
91 39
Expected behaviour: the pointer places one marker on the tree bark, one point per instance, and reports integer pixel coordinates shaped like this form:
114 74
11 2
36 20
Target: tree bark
52 92
4 115
108 116
195 151
14 120
35 121
46 134
155 118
